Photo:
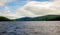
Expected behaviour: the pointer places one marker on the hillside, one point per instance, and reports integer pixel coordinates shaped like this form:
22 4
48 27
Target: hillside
41 18
4 19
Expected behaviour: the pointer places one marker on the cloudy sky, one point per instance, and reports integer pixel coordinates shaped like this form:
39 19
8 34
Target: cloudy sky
28 8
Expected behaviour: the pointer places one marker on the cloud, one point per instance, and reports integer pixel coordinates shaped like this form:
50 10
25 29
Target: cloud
38 8
33 9
18 14
43 8
2 2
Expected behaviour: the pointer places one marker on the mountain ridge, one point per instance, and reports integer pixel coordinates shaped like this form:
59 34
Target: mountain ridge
41 18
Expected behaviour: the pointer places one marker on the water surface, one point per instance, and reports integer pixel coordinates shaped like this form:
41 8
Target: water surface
30 28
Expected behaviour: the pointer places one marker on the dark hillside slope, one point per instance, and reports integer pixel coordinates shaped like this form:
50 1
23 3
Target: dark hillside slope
4 19
41 18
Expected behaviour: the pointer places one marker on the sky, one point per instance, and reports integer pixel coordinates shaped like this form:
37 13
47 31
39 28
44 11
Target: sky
28 8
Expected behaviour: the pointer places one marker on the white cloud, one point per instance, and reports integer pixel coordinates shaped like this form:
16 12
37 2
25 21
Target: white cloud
2 2
38 8
5 1
43 8
35 8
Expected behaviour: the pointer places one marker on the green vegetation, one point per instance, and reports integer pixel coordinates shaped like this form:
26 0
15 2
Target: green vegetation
4 19
47 18
41 18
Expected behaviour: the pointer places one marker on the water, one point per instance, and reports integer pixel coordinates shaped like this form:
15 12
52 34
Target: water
30 28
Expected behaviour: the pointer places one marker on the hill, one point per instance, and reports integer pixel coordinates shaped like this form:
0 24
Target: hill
41 18
4 19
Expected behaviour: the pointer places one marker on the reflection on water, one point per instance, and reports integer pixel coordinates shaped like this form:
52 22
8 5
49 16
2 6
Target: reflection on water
30 28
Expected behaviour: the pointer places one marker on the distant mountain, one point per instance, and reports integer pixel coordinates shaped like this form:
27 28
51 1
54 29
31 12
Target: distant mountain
24 19
41 18
4 19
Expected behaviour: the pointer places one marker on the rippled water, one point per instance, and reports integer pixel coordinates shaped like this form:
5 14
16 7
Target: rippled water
30 28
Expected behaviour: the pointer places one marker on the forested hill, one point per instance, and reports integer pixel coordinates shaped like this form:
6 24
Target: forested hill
41 18
4 19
